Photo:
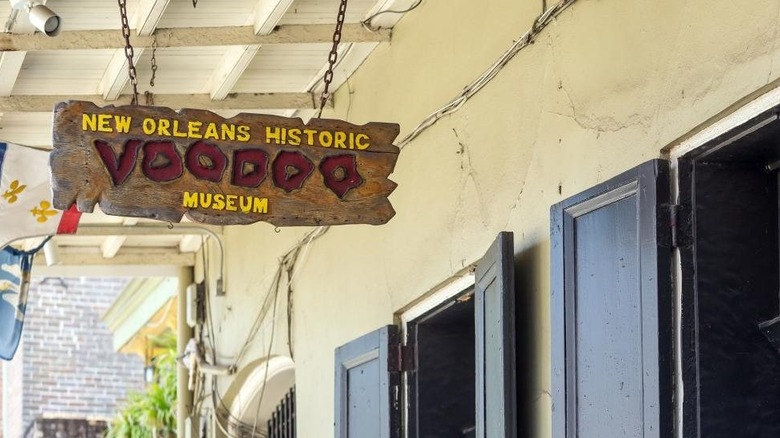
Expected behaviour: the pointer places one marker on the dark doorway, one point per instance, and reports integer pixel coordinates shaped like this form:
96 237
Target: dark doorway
442 385
729 250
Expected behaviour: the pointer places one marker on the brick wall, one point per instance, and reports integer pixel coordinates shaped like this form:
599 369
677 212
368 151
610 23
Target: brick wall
13 389
67 428
69 366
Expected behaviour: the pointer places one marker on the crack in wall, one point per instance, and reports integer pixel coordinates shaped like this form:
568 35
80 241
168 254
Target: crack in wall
598 124
469 174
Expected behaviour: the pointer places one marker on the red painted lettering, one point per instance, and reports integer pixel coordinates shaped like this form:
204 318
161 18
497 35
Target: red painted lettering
206 161
341 175
290 170
118 167
250 167
161 162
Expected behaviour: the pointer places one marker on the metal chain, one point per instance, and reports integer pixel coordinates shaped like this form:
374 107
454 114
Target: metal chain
129 53
333 56
154 60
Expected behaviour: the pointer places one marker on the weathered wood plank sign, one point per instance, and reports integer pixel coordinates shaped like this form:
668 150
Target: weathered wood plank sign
154 162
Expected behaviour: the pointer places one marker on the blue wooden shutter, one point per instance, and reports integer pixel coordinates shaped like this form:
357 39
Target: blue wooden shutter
496 407
367 392
612 310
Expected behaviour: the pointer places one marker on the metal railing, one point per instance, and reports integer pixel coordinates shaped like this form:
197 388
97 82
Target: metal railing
282 422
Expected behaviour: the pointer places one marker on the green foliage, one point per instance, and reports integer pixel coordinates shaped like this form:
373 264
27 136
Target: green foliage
152 413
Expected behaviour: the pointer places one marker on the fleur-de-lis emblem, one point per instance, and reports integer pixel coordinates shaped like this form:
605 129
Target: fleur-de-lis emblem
43 211
13 192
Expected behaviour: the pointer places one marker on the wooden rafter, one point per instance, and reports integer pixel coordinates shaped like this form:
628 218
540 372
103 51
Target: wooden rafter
242 101
145 19
11 62
192 37
112 244
141 257
265 18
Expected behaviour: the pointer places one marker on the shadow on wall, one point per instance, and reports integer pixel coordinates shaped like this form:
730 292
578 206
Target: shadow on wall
528 319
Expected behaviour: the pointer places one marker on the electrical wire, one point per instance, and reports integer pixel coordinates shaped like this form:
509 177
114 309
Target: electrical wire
478 84
260 317
267 358
9 24
289 263
367 22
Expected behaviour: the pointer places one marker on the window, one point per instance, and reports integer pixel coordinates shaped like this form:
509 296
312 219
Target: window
369 393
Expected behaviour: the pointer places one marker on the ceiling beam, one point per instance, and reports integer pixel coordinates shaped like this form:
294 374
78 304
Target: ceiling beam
11 62
148 15
380 20
235 101
233 64
111 244
145 20
192 37
103 270
147 256
266 16
350 57
190 243
10 66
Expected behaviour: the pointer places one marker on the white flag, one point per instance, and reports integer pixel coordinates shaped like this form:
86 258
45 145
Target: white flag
25 195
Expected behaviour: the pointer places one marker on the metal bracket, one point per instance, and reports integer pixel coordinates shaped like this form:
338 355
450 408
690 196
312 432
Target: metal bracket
403 359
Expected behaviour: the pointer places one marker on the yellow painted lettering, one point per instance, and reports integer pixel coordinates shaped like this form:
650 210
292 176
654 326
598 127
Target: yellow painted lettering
326 139
243 133
194 129
310 136
274 134
219 202
294 137
205 200
190 200
211 132
246 207
162 127
176 132
150 126
360 145
88 122
228 132
340 140
260 205
122 123
104 123
231 203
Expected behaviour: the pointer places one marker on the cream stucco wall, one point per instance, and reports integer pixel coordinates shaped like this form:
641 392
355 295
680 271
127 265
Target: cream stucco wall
605 87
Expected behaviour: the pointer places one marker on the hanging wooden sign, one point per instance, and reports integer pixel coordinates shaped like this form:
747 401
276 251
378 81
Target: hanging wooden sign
153 162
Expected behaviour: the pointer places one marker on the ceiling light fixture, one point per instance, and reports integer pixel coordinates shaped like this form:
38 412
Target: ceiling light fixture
43 18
